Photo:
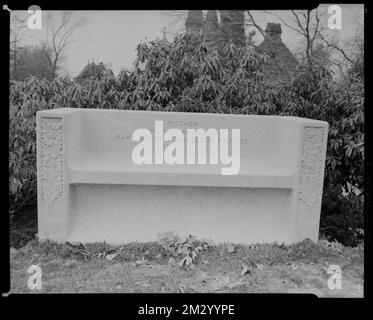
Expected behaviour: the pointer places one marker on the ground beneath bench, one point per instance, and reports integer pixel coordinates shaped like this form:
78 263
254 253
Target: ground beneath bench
154 267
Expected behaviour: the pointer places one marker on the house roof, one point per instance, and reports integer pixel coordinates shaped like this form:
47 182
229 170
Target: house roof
164 39
194 20
231 27
280 57
91 70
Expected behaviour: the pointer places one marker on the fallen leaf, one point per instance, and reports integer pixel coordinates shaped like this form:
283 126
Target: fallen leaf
110 257
221 252
219 282
138 262
69 263
235 284
186 261
230 247
260 266
194 255
293 266
245 270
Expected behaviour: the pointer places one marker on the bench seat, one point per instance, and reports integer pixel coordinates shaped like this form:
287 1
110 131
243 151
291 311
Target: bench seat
254 180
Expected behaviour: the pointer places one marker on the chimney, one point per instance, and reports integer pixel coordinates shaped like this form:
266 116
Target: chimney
194 21
273 30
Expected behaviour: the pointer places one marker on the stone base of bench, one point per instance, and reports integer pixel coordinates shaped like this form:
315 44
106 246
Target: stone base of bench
121 213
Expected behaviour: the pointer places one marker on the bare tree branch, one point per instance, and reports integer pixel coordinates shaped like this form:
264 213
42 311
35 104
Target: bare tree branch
298 22
334 46
18 29
284 22
61 37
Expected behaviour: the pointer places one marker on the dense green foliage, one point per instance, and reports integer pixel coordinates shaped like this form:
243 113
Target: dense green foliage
187 76
342 217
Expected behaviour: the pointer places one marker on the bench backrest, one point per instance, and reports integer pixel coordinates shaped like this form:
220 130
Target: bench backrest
105 136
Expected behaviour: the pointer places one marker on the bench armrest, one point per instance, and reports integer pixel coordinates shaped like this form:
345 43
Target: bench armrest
55 131
311 166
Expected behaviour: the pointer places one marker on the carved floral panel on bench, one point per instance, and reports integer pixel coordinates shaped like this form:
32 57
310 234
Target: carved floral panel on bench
311 165
51 159
310 183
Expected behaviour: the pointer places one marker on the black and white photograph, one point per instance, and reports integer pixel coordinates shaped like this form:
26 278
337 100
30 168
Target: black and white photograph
187 151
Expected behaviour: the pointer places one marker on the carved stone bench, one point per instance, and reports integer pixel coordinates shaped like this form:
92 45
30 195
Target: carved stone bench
90 189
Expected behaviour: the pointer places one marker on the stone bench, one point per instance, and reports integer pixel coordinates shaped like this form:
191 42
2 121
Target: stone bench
90 189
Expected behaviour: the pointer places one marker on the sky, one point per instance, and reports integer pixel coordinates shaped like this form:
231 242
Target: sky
112 36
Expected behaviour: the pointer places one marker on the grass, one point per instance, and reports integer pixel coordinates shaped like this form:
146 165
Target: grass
162 266
147 267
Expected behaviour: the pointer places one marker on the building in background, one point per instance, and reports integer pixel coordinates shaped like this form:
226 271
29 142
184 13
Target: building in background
194 21
232 28
164 40
92 71
280 57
